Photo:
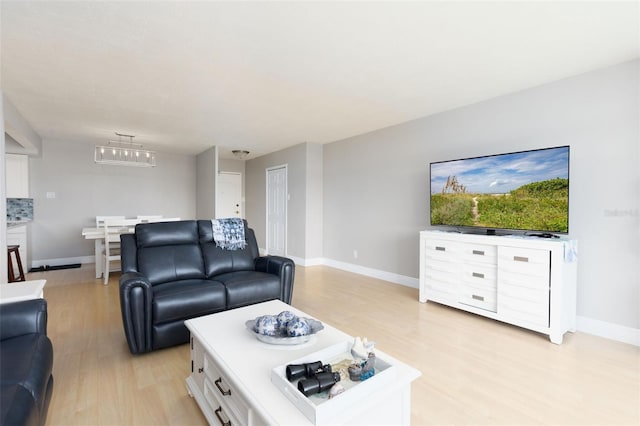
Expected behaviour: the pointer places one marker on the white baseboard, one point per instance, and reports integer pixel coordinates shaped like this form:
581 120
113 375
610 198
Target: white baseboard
373 273
609 330
63 261
307 262
297 260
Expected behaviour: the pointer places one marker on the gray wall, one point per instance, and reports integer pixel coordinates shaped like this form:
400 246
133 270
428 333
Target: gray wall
314 197
376 190
84 190
228 165
206 166
303 174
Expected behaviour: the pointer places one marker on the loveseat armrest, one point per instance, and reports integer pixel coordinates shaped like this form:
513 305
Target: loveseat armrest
128 253
136 295
284 268
25 317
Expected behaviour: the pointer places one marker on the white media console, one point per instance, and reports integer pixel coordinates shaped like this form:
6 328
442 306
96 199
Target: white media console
525 281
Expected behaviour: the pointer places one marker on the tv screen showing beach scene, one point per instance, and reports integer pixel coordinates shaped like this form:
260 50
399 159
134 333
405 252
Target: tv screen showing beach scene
527 191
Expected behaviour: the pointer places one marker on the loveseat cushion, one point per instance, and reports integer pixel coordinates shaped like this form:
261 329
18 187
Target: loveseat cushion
218 261
171 263
18 406
27 361
169 251
166 233
248 287
181 300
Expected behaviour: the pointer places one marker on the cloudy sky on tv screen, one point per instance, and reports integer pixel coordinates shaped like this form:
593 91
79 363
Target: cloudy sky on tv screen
499 174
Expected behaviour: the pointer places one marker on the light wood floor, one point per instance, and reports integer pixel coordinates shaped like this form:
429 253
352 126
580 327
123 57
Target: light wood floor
474 370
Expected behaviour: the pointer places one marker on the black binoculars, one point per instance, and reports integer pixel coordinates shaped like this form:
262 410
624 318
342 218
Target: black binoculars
318 383
317 377
308 370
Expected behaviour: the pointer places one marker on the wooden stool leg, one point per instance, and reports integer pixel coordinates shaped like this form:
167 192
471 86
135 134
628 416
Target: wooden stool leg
21 276
12 277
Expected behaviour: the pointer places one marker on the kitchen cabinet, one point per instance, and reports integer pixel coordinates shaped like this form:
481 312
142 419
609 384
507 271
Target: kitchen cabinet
17 175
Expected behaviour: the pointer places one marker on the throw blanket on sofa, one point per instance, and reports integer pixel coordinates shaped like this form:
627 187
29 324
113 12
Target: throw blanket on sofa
229 233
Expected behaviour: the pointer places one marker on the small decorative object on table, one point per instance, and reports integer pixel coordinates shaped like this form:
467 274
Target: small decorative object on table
364 363
266 325
297 327
284 328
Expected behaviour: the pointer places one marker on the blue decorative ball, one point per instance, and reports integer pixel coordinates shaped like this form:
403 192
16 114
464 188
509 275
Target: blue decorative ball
266 325
283 319
298 327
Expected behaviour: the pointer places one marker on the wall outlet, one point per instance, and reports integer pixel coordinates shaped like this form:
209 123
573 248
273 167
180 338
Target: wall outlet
355 254
51 195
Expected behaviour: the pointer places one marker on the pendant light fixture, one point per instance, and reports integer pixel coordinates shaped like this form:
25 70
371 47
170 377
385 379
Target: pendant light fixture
124 152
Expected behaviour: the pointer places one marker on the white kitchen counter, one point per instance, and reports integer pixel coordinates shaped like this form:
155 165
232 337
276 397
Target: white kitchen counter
21 290
16 223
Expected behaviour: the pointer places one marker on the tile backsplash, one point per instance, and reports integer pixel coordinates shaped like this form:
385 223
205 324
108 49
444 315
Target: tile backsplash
19 209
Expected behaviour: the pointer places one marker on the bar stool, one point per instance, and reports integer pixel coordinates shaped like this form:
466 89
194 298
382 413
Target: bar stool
12 277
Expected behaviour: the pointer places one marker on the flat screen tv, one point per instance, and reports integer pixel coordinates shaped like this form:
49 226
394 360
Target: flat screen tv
525 191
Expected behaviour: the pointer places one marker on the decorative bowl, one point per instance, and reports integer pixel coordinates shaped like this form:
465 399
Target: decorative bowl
281 337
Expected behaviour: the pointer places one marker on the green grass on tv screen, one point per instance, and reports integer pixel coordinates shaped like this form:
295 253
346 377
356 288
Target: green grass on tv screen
540 206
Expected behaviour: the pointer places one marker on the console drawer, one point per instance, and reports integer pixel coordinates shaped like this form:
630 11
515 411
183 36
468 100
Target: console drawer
437 295
478 253
479 297
441 286
524 318
534 312
532 294
512 279
441 250
440 275
434 264
478 275
524 261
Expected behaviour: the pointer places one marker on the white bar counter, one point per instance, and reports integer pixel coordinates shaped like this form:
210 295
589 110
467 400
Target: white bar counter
21 290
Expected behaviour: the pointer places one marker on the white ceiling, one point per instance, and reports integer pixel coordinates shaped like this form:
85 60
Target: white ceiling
262 76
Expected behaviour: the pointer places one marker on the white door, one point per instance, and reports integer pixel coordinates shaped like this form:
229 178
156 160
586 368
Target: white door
229 195
277 210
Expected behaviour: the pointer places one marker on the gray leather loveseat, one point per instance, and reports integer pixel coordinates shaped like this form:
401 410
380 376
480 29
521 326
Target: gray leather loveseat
173 271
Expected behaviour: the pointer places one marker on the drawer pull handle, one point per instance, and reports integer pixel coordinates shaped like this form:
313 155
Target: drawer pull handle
438 248
477 275
476 297
479 252
219 413
520 259
222 391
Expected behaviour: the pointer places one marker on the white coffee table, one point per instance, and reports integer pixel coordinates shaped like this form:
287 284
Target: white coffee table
231 374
